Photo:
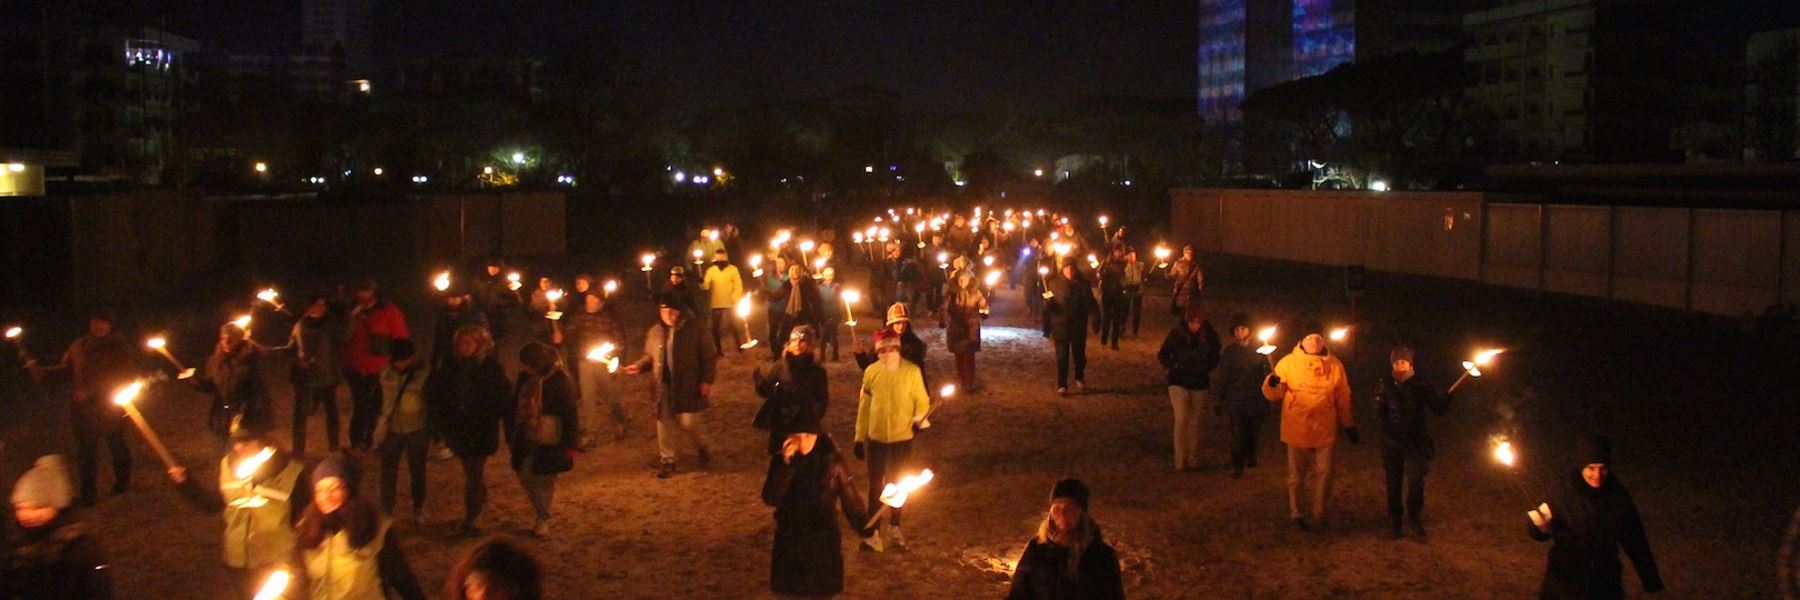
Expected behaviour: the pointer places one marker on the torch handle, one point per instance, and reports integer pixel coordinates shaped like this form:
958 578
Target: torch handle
172 360
162 452
1459 382
876 517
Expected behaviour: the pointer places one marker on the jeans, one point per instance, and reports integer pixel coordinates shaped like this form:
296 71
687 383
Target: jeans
693 425
1112 320
539 489
87 452
1134 302
365 407
1400 464
305 398
1067 349
1187 404
778 329
828 335
1244 430
1313 467
722 317
412 446
887 464
475 490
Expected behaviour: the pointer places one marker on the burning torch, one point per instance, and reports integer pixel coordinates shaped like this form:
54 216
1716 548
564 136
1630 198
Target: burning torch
603 354
124 398
161 346
743 313
1472 368
850 297
1267 349
894 495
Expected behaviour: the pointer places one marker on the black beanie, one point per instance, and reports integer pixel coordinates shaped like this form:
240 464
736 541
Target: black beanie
1072 489
1400 353
1239 320
1593 449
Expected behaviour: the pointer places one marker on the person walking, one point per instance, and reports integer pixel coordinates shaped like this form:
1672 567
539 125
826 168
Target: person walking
678 355
831 306
964 310
890 405
314 373
681 290
374 324
346 546
99 364
1186 280
457 313
232 375
1589 518
1241 374
1133 281
259 510
1315 401
401 430
898 325
466 399
724 285
51 555
542 430
795 392
775 298
496 299
597 323
803 302
496 569
1401 400
1112 298
1188 355
808 483
1067 558
1066 313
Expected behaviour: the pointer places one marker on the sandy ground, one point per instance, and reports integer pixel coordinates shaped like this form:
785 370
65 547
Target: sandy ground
1704 421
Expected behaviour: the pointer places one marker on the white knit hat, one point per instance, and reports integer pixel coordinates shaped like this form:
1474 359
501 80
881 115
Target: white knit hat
46 484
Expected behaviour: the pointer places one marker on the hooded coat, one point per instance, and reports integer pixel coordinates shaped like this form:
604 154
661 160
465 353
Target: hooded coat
807 494
676 386
1589 526
1315 398
465 401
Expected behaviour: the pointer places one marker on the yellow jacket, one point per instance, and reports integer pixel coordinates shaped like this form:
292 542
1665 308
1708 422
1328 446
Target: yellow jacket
1315 399
889 403
338 571
725 284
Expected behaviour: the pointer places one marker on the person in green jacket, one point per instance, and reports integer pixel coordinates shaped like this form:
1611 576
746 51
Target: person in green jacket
402 427
259 509
890 407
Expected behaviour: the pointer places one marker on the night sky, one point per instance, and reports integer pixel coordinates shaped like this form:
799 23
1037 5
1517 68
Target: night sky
940 55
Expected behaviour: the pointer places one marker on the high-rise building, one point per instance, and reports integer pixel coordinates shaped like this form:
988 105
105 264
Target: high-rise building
1772 96
331 26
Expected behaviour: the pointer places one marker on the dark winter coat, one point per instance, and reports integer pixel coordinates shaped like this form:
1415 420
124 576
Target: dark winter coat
676 385
1401 409
807 495
1189 357
557 398
808 309
963 312
235 378
315 353
1067 311
59 560
795 396
443 340
1241 375
582 330
465 401
1043 573
1589 527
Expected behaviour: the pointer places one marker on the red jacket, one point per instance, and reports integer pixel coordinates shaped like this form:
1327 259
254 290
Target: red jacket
379 320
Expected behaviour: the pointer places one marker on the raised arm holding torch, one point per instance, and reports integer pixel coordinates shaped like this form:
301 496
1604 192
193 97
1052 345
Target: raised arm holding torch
1472 368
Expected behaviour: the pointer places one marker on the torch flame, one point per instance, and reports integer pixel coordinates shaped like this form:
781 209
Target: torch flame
442 283
743 307
852 296
1338 335
1482 358
987 260
1503 452
857 237
611 286
647 259
947 391
128 393
268 295
1102 220
1266 334
993 277
273 587
14 332
553 296
242 322
248 466
1042 271
603 354
156 343
806 245
895 494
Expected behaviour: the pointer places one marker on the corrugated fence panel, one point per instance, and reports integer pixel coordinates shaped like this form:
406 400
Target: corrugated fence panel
1737 261
1577 249
1515 246
1650 255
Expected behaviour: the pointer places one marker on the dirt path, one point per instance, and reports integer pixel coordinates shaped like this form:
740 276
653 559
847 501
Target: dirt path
1705 443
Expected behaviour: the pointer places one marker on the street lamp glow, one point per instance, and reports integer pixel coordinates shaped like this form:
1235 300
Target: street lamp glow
378 170
261 167
718 171
869 168
1378 185
518 158
680 176
16 167
1037 172
487 170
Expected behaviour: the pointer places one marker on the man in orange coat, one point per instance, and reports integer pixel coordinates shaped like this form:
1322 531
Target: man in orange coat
1315 400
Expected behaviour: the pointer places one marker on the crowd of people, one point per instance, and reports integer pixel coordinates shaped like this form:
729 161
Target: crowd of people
282 510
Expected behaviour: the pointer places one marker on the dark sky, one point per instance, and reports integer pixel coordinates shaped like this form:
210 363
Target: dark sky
965 55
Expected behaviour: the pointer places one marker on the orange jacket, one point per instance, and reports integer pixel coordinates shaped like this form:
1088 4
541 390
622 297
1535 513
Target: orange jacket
1315 399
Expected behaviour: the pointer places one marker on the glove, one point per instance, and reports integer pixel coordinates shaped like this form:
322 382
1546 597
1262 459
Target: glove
1355 436
1274 381
858 451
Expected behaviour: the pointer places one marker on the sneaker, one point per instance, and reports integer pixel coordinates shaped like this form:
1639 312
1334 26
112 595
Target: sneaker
665 470
541 528
704 458
1062 391
442 453
1079 386
894 540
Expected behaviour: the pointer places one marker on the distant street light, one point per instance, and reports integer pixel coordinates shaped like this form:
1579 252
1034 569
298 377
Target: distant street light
378 171
1378 185
868 168
262 167
518 158
487 170
1037 172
